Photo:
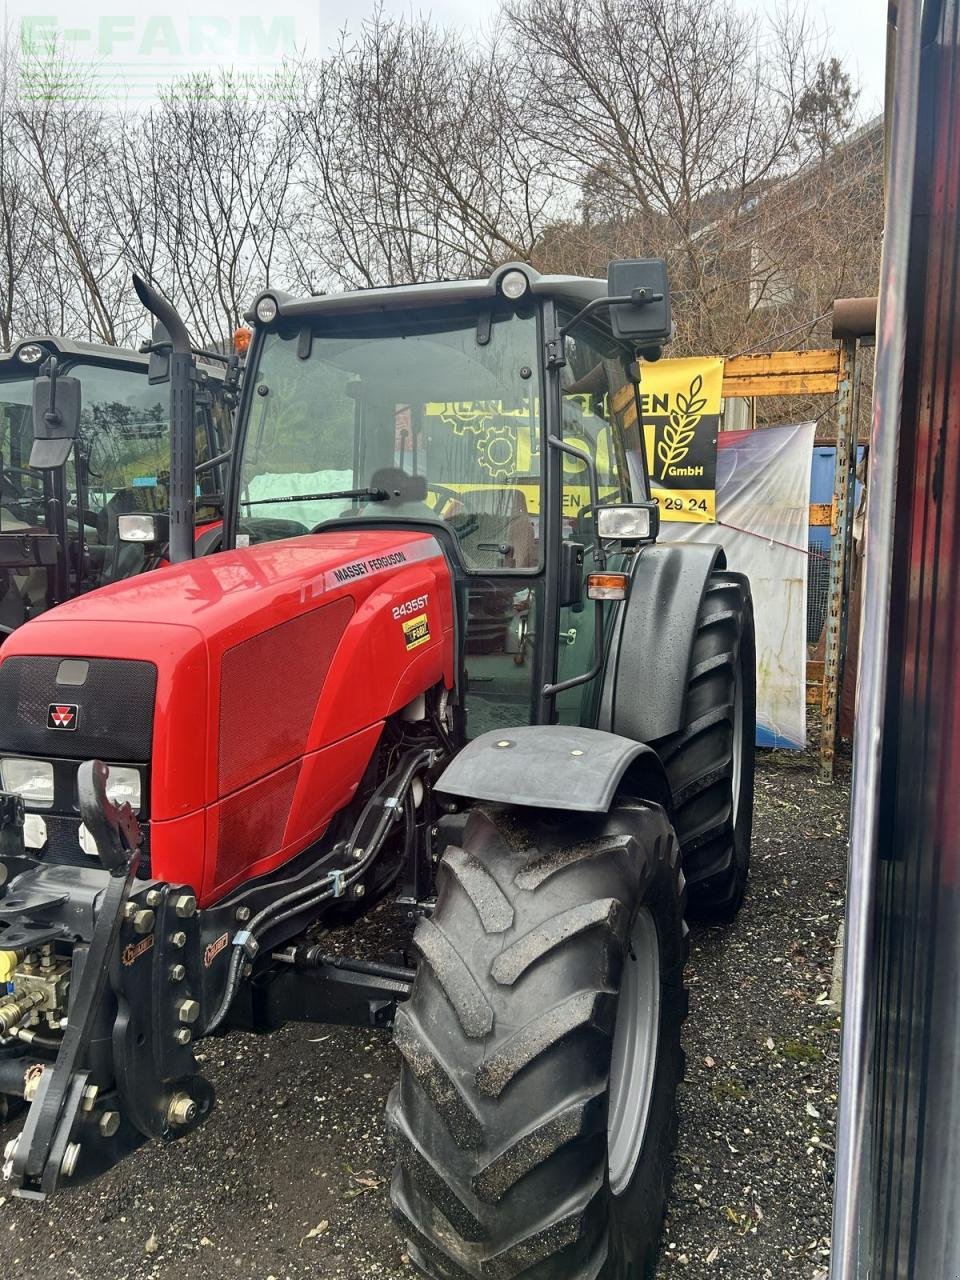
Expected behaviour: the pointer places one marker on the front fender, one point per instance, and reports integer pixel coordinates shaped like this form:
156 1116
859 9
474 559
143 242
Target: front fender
648 662
554 767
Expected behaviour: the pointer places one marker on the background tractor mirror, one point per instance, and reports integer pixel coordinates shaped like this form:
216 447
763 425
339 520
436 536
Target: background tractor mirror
56 418
158 370
646 318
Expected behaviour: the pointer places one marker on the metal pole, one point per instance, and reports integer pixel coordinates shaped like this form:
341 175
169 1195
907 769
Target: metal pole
842 533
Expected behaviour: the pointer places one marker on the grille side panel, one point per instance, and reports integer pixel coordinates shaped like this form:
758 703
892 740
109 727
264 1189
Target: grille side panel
269 688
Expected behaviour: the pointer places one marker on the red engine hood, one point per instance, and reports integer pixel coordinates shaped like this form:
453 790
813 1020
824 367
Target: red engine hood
276 668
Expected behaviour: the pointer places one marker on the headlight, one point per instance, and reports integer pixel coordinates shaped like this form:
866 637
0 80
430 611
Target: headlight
630 522
137 528
124 785
31 780
267 309
30 353
514 285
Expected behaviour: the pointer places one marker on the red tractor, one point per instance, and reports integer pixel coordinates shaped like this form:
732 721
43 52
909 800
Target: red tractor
442 659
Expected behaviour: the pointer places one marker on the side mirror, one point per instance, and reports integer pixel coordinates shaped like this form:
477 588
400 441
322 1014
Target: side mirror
629 522
148 529
158 370
56 418
644 316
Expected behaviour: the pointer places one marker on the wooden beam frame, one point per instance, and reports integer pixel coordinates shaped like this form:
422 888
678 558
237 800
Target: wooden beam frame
783 373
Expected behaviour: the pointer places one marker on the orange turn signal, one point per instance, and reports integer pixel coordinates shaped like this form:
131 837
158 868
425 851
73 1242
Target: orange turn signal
241 340
607 586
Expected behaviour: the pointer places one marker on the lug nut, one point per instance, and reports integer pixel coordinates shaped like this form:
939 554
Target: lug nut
185 905
183 1036
109 1123
89 1097
182 1110
70 1157
188 1010
177 973
143 921
243 914
154 897
178 939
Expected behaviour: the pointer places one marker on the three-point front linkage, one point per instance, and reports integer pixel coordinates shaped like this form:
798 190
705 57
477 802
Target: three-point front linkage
108 1088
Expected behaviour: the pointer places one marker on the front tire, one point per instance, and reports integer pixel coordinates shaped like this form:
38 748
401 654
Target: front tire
535 1114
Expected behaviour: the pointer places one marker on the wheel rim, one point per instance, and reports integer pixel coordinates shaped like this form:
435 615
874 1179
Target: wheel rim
737 742
634 1064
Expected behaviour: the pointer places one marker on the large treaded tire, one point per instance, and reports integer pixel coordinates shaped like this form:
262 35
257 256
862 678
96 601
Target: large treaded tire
714 824
500 1116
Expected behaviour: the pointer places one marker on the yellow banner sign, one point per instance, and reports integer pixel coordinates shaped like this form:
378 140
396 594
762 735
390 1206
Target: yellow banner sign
680 411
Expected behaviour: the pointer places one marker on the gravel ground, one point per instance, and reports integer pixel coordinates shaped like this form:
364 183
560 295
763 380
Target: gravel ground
289 1178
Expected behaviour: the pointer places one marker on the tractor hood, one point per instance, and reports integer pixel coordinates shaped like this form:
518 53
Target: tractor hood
250 687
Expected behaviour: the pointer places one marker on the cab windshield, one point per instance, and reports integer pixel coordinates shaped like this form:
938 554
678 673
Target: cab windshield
374 419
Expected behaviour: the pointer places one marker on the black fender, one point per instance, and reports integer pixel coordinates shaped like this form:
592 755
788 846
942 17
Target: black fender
555 766
648 661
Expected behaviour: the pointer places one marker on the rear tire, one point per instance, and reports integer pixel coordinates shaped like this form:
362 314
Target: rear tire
710 761
515 1041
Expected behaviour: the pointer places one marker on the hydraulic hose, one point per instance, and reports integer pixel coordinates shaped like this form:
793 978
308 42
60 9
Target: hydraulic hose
302 899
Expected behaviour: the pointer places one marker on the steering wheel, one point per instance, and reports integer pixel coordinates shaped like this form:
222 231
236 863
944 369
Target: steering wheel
18 492
444 495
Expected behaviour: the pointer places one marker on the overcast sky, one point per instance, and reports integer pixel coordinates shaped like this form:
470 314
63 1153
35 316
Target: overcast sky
145 40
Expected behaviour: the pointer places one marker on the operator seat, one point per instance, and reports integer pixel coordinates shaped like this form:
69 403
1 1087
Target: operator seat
502 520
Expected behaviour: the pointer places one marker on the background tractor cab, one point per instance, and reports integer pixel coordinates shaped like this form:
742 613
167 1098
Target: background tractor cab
84 445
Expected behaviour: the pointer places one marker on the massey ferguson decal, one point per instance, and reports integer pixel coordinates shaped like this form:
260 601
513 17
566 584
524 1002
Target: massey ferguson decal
425 549
63 715
360 568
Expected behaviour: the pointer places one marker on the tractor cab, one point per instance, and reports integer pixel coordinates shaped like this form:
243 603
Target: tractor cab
442 406
66 485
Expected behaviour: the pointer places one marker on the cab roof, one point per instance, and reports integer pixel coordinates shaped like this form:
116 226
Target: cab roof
573 292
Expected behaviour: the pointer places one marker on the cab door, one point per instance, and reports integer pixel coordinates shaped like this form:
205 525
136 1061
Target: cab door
598 416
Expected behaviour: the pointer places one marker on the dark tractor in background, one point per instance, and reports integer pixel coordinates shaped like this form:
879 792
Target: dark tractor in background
84 442
441 660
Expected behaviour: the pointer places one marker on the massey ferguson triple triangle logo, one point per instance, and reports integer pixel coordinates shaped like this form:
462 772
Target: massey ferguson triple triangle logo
63 715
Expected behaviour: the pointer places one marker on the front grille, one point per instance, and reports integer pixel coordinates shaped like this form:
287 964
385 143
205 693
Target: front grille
115 720
63 845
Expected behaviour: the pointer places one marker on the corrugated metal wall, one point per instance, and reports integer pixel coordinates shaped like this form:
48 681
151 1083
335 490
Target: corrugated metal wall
899 1145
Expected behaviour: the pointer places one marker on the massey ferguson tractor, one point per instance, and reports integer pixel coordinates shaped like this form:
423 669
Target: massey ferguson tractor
442 659
85 442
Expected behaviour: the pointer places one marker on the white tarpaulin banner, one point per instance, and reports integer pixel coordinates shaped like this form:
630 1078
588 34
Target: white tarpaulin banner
763 499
